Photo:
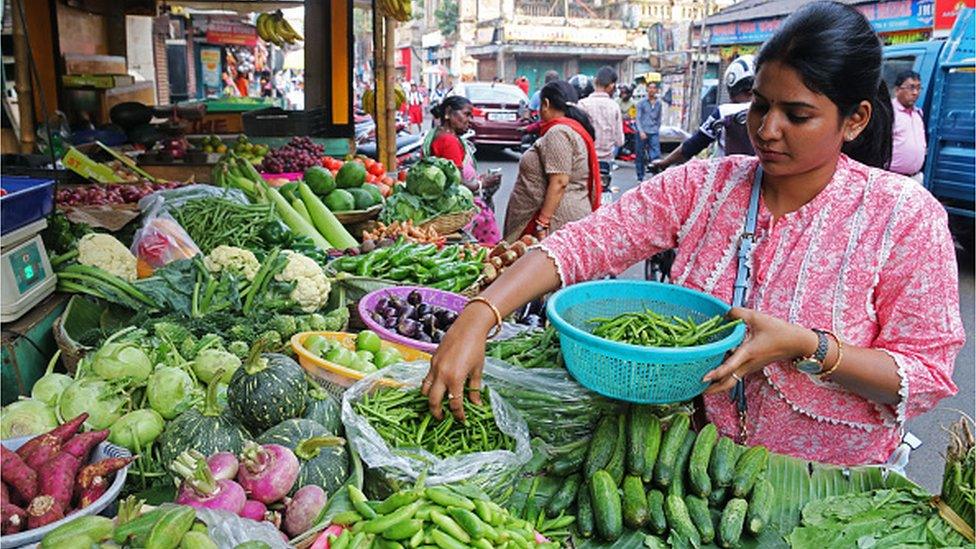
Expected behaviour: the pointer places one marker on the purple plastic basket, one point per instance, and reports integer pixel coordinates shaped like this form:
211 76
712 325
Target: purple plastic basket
446 300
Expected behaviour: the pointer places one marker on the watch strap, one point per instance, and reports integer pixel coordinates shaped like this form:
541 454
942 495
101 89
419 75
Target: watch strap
822 345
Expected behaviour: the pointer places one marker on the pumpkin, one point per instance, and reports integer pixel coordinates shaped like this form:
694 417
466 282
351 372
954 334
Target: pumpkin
323 409
323 459
266 390
208 428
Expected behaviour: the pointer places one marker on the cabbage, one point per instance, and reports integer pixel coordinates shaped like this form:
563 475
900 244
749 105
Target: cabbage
426 180
466 198
101 400
170 391
26 418
117 360
451 172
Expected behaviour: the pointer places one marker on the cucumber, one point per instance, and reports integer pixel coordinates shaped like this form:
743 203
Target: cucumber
584 512
569 463
721 466
636 439
718 496
655 511
733 517
698 477
670 446
681 465
607 512
634 503
652 445
760 506
701 517
679 520
747 470
602 445
564 497
616 464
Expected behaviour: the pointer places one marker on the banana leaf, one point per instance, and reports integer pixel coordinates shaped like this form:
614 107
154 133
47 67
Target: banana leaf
797 482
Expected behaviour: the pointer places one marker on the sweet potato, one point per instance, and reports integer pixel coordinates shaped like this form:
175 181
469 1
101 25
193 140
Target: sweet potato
58 480
12 519
18 475
82 444
43 510
4 493
42 448
93 479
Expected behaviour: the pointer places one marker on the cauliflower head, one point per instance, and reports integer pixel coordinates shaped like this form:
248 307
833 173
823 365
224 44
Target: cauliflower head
107 253
233 259
312 287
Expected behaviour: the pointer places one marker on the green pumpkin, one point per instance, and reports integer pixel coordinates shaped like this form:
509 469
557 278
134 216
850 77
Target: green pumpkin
323 458
208 429
324 409
267 390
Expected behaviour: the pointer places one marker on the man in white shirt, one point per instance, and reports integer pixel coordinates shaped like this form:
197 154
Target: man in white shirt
605 114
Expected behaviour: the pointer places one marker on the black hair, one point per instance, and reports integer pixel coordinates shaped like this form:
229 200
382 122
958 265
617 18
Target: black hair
562 96
605 76
837 53
551 76
906 75
449 104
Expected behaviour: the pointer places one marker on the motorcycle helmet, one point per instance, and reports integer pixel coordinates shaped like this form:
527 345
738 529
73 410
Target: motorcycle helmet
625 91
583 85
740 75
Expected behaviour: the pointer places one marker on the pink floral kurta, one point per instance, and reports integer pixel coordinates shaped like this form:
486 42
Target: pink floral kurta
870 259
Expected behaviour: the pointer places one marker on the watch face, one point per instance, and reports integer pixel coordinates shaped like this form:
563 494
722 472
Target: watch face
809 366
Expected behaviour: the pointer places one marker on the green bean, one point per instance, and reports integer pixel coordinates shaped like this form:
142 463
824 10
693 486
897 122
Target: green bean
652 329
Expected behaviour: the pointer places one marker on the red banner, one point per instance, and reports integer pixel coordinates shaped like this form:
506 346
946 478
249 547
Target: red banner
947 10
232 34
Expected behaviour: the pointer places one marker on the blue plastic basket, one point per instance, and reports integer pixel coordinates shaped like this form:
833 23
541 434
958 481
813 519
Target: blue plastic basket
645 375
26 201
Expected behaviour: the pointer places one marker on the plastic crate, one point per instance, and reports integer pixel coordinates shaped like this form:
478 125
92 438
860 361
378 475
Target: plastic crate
26 201
277 122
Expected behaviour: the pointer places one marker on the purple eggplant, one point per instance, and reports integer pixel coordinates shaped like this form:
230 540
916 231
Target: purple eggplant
390 322
391 312
423 337
408 311
381 304
409 328
414 298
437 336
377 317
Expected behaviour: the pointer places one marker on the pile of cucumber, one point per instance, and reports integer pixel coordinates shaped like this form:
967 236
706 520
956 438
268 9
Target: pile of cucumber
697 488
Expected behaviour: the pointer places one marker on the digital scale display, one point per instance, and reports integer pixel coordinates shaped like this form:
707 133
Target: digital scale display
27 267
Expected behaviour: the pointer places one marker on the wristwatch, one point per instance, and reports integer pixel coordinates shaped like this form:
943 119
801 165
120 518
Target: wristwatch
814 364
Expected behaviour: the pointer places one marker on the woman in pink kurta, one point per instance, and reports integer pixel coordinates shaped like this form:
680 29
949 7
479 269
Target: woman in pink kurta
859 253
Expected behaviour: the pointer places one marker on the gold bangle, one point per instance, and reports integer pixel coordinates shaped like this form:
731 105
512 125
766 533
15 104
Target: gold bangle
840 357
498 315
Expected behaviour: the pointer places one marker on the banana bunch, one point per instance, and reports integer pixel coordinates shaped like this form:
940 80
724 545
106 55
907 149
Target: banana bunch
369 98
401 10
274 28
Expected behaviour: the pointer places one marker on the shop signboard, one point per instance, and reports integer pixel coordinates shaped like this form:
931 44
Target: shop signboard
893 16
946 12
565 35
231 33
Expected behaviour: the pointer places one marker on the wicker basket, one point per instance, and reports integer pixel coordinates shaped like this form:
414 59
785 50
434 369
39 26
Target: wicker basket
359 216
450 223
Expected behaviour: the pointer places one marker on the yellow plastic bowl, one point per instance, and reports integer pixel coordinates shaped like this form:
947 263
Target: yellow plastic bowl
340 375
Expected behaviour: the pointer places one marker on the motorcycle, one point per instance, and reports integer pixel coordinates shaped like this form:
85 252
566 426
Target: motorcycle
628 152
409 147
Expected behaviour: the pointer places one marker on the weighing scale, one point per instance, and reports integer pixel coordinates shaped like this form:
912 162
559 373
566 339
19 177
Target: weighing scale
26 277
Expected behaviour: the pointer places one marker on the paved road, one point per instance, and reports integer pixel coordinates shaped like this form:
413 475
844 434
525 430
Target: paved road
926 463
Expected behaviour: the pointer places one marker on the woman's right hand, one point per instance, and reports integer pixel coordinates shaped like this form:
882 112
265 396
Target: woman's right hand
455 369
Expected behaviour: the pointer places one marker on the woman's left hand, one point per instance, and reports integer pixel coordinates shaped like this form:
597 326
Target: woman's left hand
767 340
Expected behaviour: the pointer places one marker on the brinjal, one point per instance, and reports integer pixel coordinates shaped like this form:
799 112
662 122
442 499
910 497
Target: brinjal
391 312
445 318
381 304
378 317
414 298
430 324
408 311
423 337
437 336
390 322
409 328
425 309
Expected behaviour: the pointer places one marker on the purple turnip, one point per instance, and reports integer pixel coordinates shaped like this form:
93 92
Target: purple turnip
267 472
304 509
223 465
254 510
201 490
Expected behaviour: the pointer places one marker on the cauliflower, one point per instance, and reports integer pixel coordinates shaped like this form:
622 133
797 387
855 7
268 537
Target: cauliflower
234 259
107 253
311 285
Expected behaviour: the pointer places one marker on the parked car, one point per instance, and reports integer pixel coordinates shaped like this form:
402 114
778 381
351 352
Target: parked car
497 114
948 73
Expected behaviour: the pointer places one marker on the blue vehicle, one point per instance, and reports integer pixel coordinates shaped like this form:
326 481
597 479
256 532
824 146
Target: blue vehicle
948 73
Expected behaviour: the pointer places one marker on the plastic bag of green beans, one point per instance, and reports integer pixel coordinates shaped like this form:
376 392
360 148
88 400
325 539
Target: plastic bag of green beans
389 426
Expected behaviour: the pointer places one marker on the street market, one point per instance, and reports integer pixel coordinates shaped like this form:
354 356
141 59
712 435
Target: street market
392 273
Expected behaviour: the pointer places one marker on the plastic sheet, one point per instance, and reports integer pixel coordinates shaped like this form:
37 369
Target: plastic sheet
161 240
495 471
229 530
155 203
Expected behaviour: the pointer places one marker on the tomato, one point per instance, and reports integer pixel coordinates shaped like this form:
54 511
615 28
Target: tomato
402 176
370 178
387 180
385 190
376 169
